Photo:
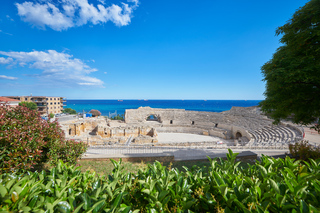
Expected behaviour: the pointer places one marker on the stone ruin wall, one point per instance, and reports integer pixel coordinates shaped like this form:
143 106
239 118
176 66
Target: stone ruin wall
97 131
172 117
182 121
227 125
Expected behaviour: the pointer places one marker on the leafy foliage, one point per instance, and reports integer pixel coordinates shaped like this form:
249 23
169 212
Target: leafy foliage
272 185
51 115
293 74
304 151
95 112
29 105
69 110
27 141
118 117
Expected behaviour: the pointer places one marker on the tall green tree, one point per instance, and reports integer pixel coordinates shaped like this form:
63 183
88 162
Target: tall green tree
29 105
292 76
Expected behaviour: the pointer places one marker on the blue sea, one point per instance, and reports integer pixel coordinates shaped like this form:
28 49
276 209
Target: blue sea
110 106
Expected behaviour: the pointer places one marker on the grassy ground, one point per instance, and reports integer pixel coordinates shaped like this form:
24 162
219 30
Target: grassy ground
106 167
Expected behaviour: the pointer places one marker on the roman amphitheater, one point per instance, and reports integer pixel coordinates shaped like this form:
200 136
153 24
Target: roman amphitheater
238 127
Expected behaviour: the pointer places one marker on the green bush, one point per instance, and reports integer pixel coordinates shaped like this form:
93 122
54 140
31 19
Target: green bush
29 105
304 151
272 185
118 117
67 151
27 141
69 110
51 115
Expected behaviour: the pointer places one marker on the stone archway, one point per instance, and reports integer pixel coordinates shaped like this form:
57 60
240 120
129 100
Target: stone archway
238 135
153 117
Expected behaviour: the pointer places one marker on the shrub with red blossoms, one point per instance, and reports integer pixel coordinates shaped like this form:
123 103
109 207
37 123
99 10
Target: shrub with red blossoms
27 141
304 151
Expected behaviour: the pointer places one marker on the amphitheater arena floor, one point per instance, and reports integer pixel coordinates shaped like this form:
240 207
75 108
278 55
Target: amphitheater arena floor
185 137
312 136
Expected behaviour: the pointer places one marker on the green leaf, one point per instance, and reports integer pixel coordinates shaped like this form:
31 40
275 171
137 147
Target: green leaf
263 170
316 185
166 200
63 207
242 207
97 192
289 185
98 205
274 186
87 201
96 185
109 192
117 201
218 179
299 189
26 209
10 183
147 191
188 205
258 190
163 194
33 201
223 189
313 209
78 208
126 210
303 207
3 190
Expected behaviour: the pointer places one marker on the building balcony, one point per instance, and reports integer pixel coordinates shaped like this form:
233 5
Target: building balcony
39 101
41 106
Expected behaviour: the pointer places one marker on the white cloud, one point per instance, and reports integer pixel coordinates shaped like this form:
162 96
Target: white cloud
136 3
59 67
42 15
5 60
102 1
7 77
71 13
5 33
8 17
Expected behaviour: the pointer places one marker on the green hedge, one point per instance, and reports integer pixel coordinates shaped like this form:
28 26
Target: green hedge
272 185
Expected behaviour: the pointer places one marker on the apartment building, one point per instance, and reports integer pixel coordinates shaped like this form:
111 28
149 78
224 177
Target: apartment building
46 105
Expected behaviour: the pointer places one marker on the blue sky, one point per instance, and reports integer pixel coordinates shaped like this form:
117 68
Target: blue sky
155 49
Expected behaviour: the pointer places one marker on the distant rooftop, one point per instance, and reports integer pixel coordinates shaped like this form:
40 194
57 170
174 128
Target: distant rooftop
35 96
4 99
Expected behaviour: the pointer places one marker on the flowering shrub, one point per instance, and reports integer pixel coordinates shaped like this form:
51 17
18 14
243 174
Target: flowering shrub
303 151
27 141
